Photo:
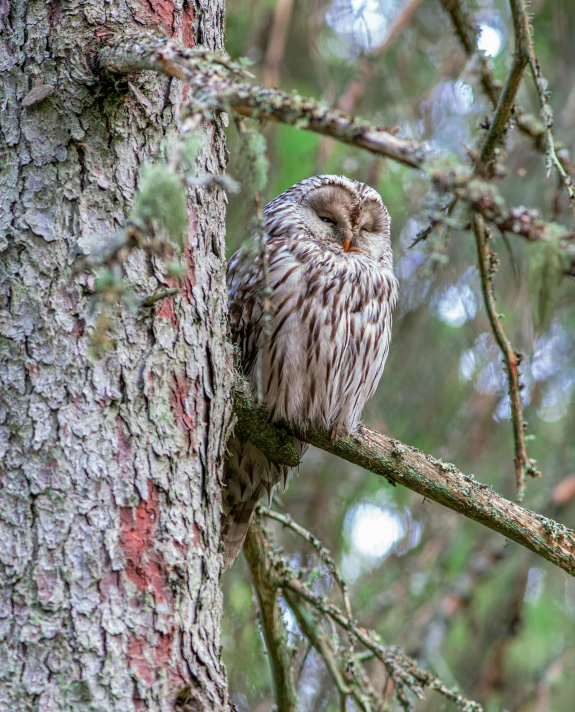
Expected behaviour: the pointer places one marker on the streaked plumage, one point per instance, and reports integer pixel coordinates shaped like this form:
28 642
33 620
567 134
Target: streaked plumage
323 352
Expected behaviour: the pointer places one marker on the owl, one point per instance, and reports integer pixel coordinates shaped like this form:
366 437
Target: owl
314 348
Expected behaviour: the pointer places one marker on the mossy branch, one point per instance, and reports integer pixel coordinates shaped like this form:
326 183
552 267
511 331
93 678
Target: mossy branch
217 83
216 86
434 479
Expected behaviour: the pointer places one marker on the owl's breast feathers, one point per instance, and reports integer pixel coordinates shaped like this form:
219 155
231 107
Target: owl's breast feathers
329 330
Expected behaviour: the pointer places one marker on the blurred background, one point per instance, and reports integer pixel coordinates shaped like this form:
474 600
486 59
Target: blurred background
484 614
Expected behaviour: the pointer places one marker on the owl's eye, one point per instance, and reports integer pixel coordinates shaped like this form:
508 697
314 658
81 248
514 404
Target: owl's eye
328 220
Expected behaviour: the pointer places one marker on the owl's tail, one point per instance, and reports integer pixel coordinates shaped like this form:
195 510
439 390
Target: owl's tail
248 476
235 527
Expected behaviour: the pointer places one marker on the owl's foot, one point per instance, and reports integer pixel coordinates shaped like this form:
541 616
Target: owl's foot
337 432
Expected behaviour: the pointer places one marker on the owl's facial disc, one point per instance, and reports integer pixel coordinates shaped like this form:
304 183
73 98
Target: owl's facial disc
329 209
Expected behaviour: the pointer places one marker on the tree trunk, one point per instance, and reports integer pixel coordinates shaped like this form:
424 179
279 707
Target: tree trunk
110 499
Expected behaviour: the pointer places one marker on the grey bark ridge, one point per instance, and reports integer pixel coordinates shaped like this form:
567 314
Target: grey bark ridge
110 469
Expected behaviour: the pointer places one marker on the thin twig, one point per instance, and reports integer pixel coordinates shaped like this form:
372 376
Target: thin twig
523 465
547 118
323 553
498 123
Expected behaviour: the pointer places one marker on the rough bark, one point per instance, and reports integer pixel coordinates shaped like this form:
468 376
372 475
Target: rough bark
109 499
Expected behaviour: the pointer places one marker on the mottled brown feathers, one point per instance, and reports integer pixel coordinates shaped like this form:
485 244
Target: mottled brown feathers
331 309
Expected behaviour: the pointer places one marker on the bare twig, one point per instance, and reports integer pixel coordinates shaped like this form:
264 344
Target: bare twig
547 117
506 99
434 479
523 465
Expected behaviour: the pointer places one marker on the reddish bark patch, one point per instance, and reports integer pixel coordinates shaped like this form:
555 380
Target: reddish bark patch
159 12
147 660
188 34
166 311
145 566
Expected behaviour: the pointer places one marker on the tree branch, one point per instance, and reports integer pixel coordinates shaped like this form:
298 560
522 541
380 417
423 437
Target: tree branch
266 586
434 479
216 84
211 77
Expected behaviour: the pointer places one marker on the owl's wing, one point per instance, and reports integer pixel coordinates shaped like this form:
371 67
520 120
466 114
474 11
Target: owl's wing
245 290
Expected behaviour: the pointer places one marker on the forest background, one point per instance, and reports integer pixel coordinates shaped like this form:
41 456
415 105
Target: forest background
487 616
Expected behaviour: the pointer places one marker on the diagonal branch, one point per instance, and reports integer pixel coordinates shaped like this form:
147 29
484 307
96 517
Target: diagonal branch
215 88
434 479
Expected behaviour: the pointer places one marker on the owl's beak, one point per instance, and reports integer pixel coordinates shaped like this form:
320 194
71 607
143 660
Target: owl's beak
346 244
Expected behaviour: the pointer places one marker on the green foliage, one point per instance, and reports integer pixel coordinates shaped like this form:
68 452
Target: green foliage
161 202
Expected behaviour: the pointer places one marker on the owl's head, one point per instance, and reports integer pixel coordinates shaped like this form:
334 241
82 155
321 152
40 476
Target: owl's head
343 213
